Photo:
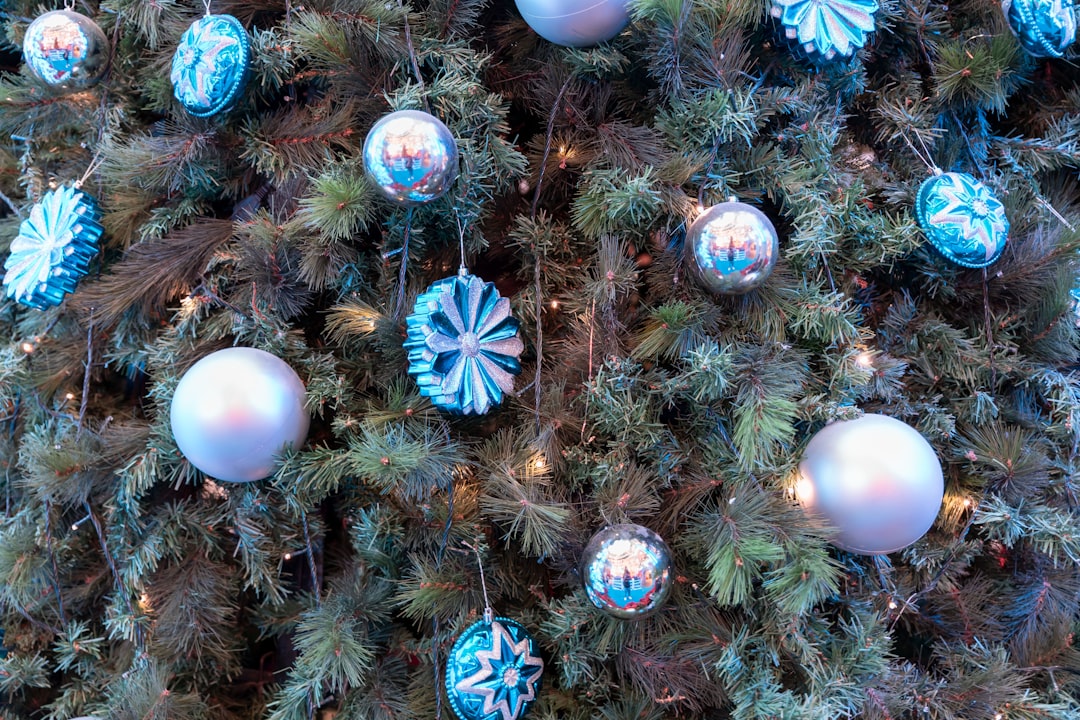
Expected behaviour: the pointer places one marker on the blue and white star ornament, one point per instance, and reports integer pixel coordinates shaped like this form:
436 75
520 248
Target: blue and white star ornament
493 671
962 218
827 28
464 345
66 49
1045 28
54 247
211 66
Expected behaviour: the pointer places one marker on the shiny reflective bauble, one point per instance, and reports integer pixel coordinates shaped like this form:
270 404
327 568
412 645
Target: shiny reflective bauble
411 156
962 219
627 570
235 410
66 49
493 671
211 65
731 248
575 23
1045 28
876 480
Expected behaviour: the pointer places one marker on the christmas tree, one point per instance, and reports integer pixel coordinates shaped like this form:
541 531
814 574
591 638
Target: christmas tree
527 319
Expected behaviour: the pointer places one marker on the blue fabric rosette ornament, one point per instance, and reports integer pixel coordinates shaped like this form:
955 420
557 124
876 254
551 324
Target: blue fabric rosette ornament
211 65
1045 28
53 249
493 672
962 219
827 28
463 345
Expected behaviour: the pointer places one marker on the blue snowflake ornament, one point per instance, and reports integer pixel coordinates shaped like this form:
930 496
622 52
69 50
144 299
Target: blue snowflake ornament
962 219
54 248
827 27
1045 28
463 345
493 671
211 65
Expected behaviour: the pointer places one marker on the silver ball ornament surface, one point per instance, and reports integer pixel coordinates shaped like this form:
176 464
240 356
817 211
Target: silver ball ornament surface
411 156
66 49
875 479
731 248
575 23
235 410
626 569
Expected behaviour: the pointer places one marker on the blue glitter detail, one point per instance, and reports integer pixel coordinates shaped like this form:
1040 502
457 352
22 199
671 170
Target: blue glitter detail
1045 28
962 219
828 27
493 671
211 65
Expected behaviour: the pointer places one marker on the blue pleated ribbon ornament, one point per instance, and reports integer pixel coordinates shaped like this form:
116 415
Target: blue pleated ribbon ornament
1045 28
493 671
53 249
463 345
211 65
827 28
962 218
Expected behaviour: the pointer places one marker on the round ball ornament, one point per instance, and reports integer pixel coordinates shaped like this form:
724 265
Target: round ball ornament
211 65
411 156
66 49
235 410
875 479
493 671
826 28
575 23
731 248
962 218
627 570
1045 28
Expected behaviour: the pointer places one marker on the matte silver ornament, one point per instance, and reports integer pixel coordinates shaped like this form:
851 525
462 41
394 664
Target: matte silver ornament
627 570
235 410
875 479
411 156
731 248
575 23
66 49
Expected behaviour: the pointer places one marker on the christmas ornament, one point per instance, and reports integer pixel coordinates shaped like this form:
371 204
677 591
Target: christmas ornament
463 345
575 23
235 410
731 248
1045 28
211 65
493 671
411 156
66 49
627 570
875 479
962 219
827 27
54 248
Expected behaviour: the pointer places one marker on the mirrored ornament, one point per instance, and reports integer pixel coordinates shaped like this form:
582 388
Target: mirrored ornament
411 156
962 219
235 410
1045 28
53 249
731 248
463 345
66 49
827 28
875 479
211 65
626 569
493 671
575 23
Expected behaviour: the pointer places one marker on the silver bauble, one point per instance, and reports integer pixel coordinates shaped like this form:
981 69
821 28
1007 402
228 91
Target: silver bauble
875 479
66 49
627 570
575 23
411 156
235 410
731 248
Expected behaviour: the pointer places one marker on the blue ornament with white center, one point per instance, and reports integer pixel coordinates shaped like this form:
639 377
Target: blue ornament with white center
493 671
1045 28
211 65
827 28
463 344
53 249
962 219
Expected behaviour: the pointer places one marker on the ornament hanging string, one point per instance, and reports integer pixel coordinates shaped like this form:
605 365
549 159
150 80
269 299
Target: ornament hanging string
94 165
489 614
206 4
399 303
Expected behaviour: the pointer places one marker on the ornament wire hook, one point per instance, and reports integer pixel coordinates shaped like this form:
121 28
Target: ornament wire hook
462 269
489 614
69 5
206 4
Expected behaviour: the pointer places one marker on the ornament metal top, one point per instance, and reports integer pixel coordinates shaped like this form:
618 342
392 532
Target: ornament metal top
66 49
1045 28
575 23
731 248
463 345
962 219
411 156
54 248
211 65
493 671
627 570
827 27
